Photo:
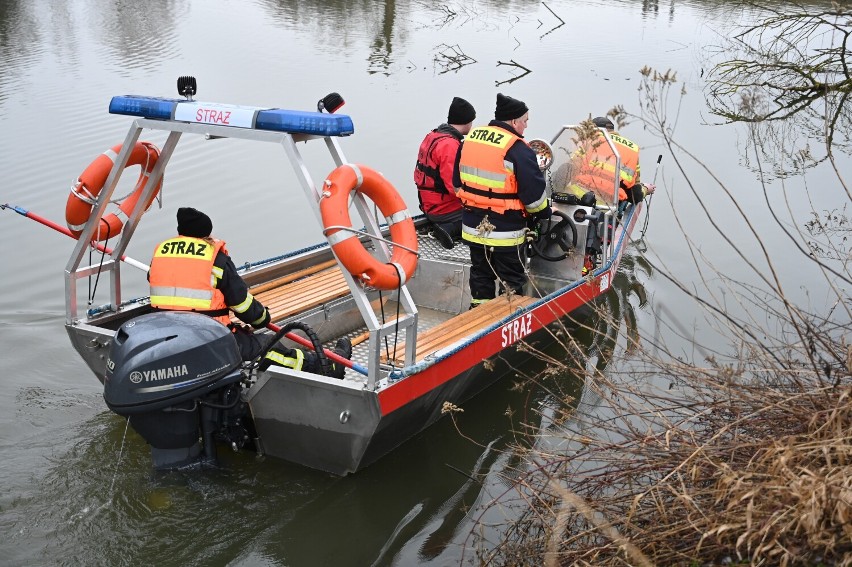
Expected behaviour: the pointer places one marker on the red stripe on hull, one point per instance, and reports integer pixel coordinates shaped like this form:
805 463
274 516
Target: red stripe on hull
412 387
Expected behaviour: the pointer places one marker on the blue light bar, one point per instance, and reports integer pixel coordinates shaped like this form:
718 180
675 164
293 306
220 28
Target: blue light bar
297 121
146 107
273 119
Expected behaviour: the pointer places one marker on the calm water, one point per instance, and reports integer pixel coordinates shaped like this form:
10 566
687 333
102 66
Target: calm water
75 490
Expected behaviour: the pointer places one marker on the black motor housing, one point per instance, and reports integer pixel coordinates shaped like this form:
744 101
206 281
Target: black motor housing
176 376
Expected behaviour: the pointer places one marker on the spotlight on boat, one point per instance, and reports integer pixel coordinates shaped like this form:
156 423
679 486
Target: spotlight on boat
187 87
330 103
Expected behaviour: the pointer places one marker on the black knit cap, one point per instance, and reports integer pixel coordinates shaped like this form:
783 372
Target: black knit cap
509 108
461 111
603 122
194 223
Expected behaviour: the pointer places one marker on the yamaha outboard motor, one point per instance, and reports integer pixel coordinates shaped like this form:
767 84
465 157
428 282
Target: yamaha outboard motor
177 377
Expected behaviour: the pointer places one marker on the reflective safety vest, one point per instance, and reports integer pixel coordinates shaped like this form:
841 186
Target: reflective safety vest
183 278
595 168
488 179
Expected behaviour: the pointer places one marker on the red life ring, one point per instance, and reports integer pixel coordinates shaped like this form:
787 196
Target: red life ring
334 208
85 191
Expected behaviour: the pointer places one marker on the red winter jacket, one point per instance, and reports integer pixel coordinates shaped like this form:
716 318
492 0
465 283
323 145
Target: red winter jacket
433 173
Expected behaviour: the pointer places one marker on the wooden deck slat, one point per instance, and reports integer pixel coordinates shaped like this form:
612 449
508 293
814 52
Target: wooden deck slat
320 284
260 288
301 290
463 324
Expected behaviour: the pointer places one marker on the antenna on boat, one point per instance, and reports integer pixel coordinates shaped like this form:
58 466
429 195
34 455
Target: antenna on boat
187 86
330 103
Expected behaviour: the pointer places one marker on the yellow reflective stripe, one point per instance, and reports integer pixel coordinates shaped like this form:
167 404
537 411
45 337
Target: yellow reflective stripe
479 301
243 306
539 205
172 301
494 238
259 319
189 293
288 361
482 177
577 190
218 272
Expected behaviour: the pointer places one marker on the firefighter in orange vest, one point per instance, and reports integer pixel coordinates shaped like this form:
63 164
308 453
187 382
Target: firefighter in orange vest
593 169
193 272
433 172
498 179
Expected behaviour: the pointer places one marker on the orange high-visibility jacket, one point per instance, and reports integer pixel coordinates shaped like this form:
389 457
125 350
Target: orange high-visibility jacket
182 277
596 169
487 182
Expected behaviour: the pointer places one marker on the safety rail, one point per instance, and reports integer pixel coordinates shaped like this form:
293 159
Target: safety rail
267 125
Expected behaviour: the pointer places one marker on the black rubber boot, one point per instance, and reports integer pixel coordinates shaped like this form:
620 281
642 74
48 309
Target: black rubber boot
443 237
343 347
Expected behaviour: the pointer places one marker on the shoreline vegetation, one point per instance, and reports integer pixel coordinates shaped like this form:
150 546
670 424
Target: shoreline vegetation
742 457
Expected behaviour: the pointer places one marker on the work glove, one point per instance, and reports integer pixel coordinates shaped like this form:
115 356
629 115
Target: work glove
649 188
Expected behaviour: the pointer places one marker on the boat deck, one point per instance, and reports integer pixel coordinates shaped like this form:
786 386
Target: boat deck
302 290
315 286
465 323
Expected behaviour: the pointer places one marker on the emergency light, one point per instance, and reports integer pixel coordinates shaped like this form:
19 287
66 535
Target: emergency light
272 119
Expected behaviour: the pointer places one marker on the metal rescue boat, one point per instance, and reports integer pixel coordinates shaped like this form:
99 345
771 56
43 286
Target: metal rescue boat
417 347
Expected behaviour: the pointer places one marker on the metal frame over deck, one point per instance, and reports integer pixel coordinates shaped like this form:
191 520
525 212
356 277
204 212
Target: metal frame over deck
287 137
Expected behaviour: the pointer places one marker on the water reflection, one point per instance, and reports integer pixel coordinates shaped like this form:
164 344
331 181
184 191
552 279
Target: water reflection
20 42
139 37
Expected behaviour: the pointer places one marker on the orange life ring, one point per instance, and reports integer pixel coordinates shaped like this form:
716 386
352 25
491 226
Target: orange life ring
85 191
334 208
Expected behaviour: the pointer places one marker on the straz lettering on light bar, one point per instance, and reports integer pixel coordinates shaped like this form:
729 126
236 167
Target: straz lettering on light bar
185 248
218 114
514 331
213 116
165 373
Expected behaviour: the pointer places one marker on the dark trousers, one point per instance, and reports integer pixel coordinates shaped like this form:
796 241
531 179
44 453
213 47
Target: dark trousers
450 222
251 345
492 262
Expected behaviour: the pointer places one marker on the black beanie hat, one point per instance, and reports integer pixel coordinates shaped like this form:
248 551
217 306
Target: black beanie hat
194 223
509 108
603 122
461 111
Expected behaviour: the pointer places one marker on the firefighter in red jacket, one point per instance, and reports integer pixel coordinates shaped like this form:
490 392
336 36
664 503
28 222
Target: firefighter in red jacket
433 173
193 272
502 188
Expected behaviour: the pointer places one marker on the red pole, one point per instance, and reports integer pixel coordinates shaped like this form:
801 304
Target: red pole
293 337
64 230
329 353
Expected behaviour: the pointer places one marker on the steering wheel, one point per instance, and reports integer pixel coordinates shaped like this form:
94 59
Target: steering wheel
553 244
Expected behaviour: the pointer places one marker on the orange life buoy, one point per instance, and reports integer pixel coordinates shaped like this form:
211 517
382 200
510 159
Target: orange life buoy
334 208
84 192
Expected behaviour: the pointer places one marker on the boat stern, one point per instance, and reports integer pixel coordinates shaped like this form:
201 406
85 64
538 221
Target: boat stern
313 420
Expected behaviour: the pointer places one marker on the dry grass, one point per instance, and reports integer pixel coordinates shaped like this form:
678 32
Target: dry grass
749 465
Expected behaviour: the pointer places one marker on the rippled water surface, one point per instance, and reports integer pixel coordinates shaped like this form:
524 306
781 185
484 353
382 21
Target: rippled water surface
76 489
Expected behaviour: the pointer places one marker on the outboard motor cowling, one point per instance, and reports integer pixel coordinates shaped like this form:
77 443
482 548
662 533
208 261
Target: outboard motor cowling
176 376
